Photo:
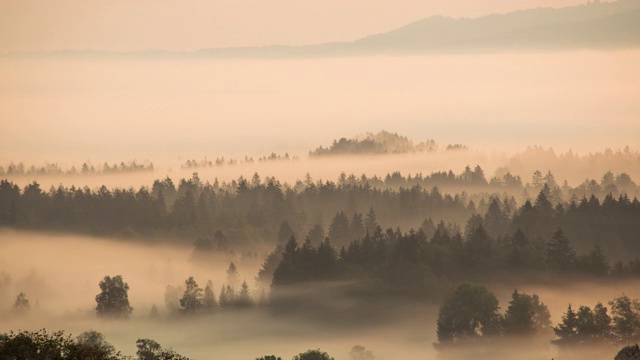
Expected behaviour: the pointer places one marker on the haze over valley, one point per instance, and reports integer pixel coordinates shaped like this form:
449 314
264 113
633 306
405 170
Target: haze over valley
349 181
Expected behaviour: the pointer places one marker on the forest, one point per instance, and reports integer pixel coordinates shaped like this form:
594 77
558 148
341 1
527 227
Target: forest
484 234
319 180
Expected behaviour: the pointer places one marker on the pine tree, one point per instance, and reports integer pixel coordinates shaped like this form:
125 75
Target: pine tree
495 220
518 320
526 315
370 222
559 255
602 322
567 330
244 297
224 301
209 299
232 275
356 227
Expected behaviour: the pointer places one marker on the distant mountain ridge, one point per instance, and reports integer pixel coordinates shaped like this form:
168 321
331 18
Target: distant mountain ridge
595 25
601 26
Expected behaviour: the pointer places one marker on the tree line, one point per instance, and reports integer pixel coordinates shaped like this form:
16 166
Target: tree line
250 211
20 169
221 161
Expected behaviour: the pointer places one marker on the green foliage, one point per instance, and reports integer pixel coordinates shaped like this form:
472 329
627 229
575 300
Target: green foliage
113 300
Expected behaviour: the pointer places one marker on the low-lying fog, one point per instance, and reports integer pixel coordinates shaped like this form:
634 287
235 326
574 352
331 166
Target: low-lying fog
573 169
60 276
72 109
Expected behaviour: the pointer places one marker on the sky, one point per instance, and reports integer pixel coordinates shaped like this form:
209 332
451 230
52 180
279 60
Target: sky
73 109
178 25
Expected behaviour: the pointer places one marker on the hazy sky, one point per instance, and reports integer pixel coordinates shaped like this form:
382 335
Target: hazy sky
125 25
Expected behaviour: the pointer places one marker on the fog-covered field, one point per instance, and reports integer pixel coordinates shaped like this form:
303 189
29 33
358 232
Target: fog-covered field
60 275
367 184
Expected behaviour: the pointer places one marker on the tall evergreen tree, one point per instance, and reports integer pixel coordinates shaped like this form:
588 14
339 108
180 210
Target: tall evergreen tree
209 298
567 330
559 255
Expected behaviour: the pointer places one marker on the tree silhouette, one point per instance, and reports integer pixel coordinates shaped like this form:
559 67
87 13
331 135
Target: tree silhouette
526 315
192 299
470 312
625 316
560 256
244 297
232 275
209 298
113 300
21 304
313 355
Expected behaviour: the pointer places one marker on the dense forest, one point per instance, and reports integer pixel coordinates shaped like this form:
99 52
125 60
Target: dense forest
368 241
253 211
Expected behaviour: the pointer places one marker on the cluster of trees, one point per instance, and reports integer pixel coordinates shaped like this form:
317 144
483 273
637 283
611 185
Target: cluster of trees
569 162
42 345
413 264
472 311
221 161
21 169
383 142
597 326
195 300
113 299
